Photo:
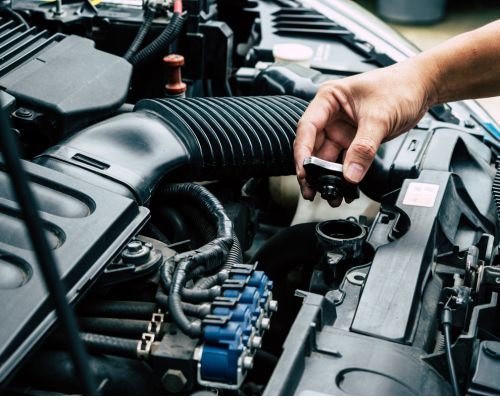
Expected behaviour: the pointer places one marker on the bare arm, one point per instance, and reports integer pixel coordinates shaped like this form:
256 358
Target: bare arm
358 113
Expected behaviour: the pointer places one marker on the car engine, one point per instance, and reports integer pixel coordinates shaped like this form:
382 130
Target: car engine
157 137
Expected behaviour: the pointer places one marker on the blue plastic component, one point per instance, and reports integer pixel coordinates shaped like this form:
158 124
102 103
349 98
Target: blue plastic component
228 333
220 364
492 128
234 318
219 360
240 313
250 296
261 282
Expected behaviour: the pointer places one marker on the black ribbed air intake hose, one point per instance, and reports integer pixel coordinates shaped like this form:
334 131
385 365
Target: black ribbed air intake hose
184 139
161 43
496 188
234 136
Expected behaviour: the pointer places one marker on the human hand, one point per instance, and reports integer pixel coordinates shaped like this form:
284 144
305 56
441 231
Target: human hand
357 114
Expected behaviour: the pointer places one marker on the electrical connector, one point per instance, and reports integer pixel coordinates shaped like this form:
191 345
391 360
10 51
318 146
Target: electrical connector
233 331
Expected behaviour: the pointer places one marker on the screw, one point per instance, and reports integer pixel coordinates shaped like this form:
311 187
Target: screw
136 252
134 246
256 342
469 124
265 323
174 380
24 113
248 362
58 10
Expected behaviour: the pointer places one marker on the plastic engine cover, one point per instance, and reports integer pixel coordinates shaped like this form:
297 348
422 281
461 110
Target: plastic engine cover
86 227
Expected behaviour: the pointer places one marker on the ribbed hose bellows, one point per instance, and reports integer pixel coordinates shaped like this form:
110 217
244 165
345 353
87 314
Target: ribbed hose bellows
496 188
234 136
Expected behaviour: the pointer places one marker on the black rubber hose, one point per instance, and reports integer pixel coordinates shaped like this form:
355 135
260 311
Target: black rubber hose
287 248
115 326
173 223
200 197
211 255
233 136
191 328
201 290
52 370
446 321
149 16
195 295
110 345
185 140
161 43
192 310
119 309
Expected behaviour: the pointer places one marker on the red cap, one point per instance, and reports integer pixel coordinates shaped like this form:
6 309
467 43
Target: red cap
174 85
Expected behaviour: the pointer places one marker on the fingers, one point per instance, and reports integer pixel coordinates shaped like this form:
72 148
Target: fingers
312 123
363 149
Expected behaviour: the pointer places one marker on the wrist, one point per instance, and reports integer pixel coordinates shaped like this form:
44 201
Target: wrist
428 71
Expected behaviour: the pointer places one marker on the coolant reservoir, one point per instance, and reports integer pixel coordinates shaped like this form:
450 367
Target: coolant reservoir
285 191
293 53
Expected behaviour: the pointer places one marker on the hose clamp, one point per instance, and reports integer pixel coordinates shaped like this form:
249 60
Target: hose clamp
144 345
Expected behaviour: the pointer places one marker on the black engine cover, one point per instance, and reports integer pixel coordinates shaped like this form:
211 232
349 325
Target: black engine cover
86 227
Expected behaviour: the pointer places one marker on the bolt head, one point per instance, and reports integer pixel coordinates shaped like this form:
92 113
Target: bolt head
24 113
174 380
469 124
248 362
136 252
273 306
265 323
134 246
256 342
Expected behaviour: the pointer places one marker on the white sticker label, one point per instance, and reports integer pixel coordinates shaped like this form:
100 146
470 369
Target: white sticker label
421 194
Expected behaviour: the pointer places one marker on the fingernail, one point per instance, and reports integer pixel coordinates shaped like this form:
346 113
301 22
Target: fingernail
354 172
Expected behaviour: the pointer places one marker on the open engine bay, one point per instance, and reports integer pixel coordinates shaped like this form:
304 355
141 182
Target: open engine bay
191 262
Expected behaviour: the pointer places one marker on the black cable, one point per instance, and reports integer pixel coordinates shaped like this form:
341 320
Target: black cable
227 89
176 271
161 43
446 321
195 295
15 15
149 16
235 256
28 205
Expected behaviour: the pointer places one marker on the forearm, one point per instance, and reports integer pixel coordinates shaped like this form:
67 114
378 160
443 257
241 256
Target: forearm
466 66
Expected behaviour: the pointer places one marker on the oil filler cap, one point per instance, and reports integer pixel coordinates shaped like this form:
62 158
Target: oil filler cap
327 178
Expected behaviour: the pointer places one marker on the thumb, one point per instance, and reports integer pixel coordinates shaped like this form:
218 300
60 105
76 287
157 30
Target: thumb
363 150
